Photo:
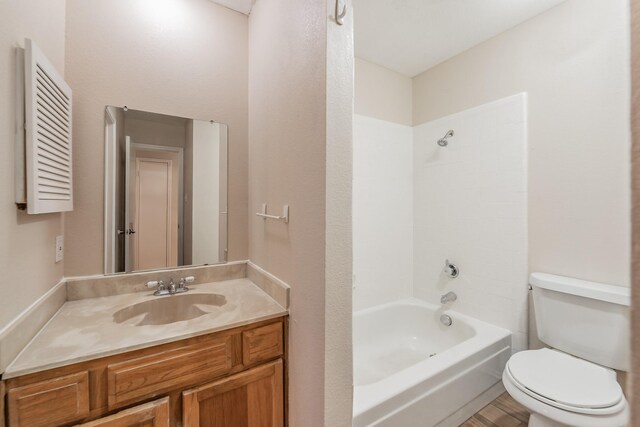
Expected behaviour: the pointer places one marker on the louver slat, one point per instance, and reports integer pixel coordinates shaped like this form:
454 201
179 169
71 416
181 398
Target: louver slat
52 147
48 135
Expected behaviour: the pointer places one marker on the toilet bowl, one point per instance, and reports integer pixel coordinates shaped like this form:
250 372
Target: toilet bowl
573 384
562 390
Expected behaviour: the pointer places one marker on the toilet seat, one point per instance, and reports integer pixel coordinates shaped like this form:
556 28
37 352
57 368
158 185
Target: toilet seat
565 382
546 415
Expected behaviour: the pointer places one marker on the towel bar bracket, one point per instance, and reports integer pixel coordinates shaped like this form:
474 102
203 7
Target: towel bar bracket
284 217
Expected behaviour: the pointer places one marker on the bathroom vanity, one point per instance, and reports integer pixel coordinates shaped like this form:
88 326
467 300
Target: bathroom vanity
93 366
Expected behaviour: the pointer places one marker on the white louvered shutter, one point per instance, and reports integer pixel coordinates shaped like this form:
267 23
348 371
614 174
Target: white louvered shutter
48 135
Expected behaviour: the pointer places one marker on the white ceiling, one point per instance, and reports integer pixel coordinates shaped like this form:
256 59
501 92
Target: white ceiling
411 36
242 6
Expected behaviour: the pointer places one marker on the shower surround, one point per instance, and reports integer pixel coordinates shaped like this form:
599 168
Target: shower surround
382 212
470 206
415 205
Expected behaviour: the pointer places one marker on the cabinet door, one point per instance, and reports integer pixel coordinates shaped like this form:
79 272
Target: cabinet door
55 401
153 414
254 398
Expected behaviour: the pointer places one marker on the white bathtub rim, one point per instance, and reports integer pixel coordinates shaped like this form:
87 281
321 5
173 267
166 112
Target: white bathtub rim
412 301
369 396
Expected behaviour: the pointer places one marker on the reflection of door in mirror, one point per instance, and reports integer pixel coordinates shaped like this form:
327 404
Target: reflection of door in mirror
165 191
155 211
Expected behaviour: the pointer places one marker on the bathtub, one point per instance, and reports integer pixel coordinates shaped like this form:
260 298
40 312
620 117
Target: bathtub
410 370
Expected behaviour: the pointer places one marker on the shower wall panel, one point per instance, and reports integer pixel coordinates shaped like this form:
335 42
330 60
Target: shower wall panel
470 206
382 211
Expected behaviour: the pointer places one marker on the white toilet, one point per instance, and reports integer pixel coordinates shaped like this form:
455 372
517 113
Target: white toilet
574 384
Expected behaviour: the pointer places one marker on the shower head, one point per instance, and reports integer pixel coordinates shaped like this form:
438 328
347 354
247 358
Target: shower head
442 142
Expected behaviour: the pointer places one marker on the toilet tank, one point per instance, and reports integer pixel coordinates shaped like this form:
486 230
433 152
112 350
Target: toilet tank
586 319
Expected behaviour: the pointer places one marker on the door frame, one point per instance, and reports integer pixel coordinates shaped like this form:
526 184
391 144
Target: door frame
127 204
153 147
635 211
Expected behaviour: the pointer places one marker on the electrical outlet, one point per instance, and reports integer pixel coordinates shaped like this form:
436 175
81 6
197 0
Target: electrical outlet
59 248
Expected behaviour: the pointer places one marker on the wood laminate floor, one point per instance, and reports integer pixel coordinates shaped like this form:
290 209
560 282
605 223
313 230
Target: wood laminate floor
502 412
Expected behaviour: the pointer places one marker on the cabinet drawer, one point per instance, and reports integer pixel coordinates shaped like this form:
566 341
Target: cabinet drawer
153 414
51 402
149 376
262 343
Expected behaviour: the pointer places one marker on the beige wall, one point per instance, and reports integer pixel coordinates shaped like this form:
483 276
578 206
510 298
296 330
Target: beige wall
574 63
179 57
287 140
382 94
27 249
300 137
338 251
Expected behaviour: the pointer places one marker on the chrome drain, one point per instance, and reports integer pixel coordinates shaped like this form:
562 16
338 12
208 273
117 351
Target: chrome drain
446 320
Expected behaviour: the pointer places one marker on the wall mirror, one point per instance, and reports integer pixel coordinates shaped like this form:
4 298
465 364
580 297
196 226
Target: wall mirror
165 191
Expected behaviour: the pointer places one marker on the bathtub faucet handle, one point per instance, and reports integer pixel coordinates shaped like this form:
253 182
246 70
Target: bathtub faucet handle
450 269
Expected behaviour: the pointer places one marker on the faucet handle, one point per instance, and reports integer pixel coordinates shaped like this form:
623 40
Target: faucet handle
450 269
183 282
154 283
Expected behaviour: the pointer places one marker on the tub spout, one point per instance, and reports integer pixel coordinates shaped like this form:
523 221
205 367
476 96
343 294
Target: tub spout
448 297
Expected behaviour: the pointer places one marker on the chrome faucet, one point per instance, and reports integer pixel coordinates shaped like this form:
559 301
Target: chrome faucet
448 297
171 288
450 269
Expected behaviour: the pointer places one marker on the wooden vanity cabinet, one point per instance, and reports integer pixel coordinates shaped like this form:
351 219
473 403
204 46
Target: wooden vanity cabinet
231 378
2 412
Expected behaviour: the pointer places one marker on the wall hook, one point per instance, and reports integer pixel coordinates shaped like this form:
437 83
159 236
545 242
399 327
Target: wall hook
340 15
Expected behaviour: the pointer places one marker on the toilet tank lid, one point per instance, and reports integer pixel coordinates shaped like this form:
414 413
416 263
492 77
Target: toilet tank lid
569 285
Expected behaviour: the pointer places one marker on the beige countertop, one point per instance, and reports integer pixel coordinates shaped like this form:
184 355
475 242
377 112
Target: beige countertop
84 329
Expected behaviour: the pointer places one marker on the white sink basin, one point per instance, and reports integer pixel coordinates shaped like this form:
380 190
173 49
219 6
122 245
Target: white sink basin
169 309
